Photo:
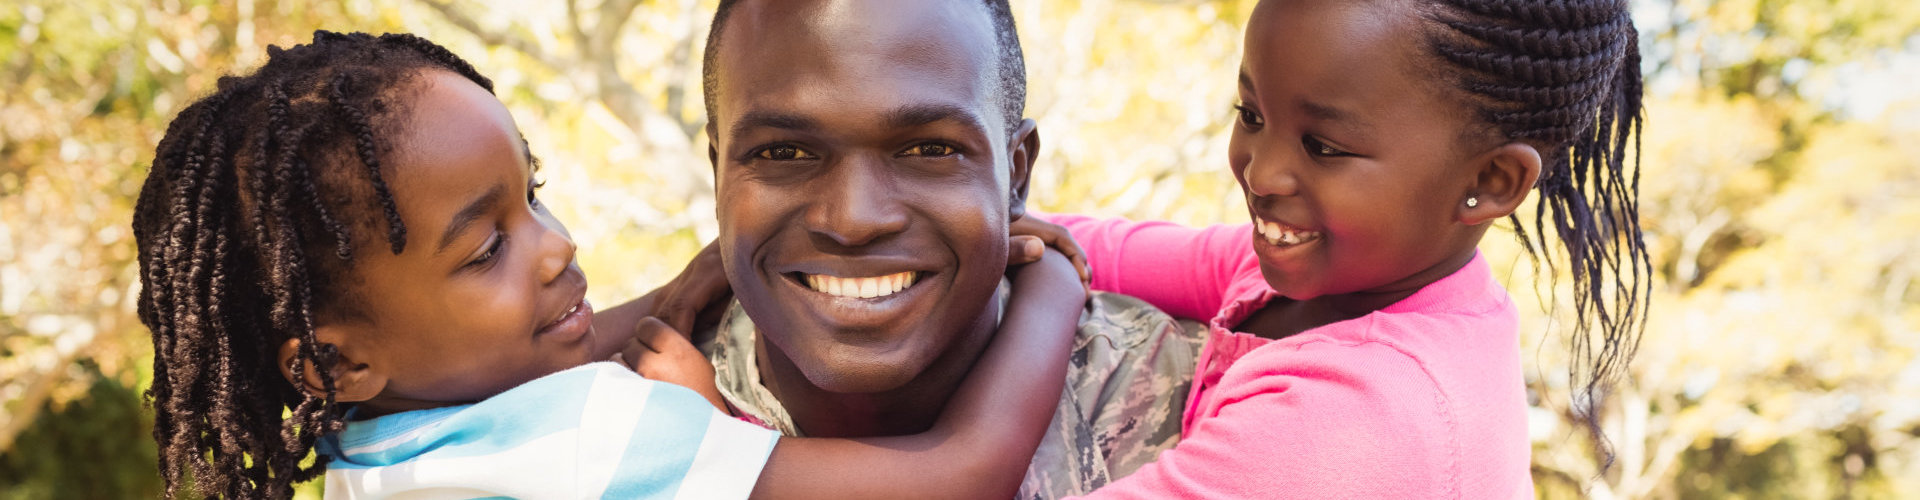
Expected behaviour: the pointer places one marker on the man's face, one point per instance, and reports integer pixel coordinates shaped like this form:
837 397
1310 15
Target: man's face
866 179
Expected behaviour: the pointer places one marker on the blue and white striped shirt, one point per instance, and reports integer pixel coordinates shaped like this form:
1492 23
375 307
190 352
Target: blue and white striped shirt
594 431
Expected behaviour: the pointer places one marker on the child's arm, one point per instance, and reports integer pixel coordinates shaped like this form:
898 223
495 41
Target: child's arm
658 352
984 440
1182 270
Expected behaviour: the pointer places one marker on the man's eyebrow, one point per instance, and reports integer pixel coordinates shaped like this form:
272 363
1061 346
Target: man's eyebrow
771 119
1246 83
465 217
914 115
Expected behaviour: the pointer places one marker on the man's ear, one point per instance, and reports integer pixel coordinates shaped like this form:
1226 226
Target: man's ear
353 380
1023 150
1506 175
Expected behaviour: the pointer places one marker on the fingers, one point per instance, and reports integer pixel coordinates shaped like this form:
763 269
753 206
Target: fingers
1071 249
652 340
1055 236
698 288
1024 249
656 336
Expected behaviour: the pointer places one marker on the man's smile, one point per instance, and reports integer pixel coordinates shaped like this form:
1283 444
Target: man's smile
860 288
855 294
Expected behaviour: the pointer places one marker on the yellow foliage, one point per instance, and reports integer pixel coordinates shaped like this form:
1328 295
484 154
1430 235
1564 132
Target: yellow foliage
1786 235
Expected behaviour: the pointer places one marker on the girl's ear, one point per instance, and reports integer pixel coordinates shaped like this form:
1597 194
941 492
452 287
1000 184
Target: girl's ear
1506 175
353 381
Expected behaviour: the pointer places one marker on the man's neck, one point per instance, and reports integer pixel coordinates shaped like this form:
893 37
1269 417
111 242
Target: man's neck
911 408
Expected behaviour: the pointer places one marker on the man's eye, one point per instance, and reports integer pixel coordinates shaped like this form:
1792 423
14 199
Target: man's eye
533 190
785 153
929 150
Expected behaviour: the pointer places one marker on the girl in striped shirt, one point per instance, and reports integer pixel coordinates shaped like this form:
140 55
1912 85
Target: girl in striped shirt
344 251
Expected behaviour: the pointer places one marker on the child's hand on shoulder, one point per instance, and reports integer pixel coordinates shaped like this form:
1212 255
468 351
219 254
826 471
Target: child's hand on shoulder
660 353
1029 238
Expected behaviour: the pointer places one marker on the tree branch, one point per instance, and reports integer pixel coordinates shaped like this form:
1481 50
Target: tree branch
467 22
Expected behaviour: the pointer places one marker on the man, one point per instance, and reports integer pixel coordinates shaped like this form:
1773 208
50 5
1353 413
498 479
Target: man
868 158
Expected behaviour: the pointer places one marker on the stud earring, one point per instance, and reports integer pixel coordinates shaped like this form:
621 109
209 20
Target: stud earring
1473 201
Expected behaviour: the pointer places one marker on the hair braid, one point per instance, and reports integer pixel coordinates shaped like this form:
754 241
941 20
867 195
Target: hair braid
1557 14
1532 70
247 186
439 55
362 130
1565 75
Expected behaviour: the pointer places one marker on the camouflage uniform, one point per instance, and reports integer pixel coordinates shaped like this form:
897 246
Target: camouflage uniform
1126 388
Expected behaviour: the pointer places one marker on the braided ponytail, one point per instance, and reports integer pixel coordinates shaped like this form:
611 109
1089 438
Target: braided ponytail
1564 75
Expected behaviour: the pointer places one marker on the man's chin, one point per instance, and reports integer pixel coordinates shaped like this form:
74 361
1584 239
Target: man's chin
862 376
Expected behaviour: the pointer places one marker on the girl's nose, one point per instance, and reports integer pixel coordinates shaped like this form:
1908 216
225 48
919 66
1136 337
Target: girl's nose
1271 174
556 249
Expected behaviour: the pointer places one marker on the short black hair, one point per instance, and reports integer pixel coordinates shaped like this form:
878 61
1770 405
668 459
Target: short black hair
1011 63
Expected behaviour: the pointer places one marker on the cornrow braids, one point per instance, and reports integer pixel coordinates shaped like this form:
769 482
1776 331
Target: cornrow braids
246 227
1564 75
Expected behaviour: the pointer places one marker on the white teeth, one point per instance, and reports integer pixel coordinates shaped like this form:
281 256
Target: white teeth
1279 235
564 314
860 288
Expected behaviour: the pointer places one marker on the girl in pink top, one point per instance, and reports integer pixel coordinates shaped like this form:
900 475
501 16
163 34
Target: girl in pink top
1359 347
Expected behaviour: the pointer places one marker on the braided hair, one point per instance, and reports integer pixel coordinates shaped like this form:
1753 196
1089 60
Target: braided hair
1564 75
246 227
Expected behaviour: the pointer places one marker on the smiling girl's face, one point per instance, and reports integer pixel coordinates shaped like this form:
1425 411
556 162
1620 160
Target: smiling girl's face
1352 159
486 295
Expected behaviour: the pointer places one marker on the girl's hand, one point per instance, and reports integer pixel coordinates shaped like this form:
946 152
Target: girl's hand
658 352
1029 229
696 298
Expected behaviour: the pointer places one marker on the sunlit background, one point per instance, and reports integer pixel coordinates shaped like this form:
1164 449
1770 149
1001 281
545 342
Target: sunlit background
1781 196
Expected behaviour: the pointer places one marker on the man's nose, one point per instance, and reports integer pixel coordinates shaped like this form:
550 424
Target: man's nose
856 204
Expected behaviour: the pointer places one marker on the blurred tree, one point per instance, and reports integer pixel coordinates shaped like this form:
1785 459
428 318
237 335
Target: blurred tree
1782 204
1785 228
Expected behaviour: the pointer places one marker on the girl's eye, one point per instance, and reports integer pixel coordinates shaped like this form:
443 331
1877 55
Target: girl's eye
785 152
931 149
533 190
1317 148
1249 117
493 250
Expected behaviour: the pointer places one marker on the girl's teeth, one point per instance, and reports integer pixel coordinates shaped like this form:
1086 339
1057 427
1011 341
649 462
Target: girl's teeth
860 288
1280 236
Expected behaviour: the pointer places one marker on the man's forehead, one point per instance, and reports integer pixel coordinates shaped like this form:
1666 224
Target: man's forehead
857 19
831 54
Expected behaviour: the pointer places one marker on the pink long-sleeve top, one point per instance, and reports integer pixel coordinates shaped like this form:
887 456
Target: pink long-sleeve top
1422 399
